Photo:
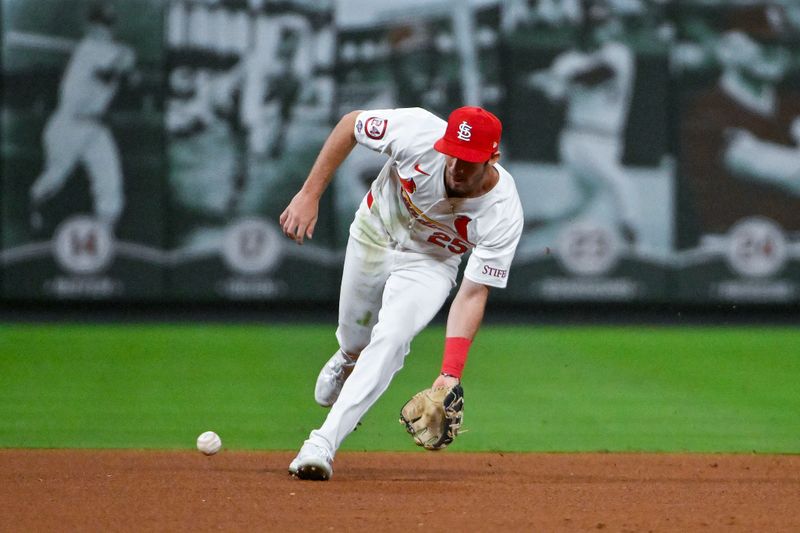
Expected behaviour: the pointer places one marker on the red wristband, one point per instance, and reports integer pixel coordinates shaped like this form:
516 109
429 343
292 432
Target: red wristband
455 355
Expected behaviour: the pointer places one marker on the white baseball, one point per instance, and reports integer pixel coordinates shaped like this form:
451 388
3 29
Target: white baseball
209 443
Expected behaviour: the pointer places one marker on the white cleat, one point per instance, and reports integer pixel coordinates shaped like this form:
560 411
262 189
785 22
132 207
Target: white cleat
312 463
332 377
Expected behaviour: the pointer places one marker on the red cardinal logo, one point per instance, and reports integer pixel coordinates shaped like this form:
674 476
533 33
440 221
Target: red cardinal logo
408 185
461 226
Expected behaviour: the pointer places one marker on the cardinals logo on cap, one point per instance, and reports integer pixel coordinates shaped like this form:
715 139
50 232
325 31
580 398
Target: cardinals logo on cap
472 135
464 131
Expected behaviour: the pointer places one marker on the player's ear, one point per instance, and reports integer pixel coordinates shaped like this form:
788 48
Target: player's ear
494 159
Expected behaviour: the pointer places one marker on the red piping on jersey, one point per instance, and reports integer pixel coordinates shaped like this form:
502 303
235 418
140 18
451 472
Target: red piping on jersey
408 184
369 199
461 226
420 217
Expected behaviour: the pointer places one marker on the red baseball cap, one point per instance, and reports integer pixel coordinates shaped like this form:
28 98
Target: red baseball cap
472 134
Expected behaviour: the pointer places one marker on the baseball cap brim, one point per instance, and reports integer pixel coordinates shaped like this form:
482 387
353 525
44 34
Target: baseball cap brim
462 152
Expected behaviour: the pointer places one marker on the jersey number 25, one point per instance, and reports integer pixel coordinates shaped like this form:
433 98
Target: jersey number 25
457 246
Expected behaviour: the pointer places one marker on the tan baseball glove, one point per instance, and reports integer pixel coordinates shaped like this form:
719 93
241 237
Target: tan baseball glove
433 416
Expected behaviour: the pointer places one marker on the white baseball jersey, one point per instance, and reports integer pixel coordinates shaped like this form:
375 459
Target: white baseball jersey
410 199
603 107
83 93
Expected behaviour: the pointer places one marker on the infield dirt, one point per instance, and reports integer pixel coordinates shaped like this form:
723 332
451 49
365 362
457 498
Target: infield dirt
85 490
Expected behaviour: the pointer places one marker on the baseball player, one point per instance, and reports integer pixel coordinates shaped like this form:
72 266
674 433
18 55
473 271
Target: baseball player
265 87
750 73
440 195
270 91
597 86
75 132
751 130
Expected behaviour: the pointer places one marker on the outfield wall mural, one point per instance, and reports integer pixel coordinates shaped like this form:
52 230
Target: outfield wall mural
148 147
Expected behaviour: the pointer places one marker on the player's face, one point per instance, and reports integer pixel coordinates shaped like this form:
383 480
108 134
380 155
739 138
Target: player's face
462 178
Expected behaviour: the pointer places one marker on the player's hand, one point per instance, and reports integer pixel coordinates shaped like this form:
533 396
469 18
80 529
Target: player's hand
445 381
300 217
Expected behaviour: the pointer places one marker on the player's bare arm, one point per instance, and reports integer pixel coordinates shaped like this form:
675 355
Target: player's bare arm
464 318
300 216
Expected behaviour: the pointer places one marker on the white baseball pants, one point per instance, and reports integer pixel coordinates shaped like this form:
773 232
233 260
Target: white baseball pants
388 296
595 161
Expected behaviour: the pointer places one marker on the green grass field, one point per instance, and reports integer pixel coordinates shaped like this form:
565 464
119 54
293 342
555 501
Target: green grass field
528 388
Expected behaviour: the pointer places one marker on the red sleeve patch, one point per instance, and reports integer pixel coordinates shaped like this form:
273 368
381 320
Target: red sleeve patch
375 127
